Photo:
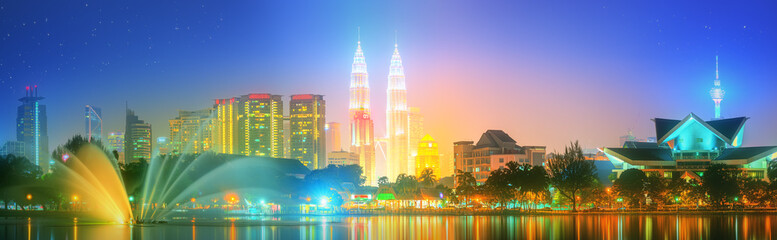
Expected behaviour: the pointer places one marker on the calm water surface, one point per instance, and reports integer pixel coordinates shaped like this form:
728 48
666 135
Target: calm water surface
731 226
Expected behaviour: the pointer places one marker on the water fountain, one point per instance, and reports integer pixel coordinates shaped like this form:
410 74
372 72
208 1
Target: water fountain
87 172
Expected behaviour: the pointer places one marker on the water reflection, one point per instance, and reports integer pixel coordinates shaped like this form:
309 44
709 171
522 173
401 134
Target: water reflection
712 226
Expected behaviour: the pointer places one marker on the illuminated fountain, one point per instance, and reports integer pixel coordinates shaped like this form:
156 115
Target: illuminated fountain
89 176
187 180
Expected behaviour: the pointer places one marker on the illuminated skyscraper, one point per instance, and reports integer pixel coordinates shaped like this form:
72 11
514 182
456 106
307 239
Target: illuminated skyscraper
307 137
224 126
333 137
428 156
397 119
31 128
93 122
251 125
191 132
416 126
137 138
361 125
717 92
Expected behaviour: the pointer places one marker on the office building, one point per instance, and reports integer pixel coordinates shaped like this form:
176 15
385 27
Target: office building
191 132
428 156
32 128
493 151
137 138
307 137
93 119
360 125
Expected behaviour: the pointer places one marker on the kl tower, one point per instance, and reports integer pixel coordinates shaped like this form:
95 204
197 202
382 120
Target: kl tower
717 92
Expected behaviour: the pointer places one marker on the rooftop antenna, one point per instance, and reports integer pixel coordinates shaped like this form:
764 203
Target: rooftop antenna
359 35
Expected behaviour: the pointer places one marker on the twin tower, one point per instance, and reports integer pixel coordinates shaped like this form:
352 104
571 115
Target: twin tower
398 157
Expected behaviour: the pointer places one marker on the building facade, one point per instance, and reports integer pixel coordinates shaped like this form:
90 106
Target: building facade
342 158
416 126
494 149
307 137
360 125
428 156
191 132
249 125
93 122
137 138
333 137
397 120
32 128
685 148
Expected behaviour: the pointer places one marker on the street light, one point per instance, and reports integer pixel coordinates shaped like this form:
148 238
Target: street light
75 197
29 196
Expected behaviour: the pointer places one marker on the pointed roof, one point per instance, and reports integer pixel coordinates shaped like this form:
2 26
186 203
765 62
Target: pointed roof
427 138
725 129
497 139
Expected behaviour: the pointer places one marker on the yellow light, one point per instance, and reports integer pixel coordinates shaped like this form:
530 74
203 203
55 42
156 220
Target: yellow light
75 198
192 200
29 196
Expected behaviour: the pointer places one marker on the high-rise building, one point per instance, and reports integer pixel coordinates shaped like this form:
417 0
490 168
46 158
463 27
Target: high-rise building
137 138
493 151
333 137
361 126
224 126
416 126
397 119
32 128
116 142
428 156
717 92
15 148
191 131
307 137
342 158
93 122
251 125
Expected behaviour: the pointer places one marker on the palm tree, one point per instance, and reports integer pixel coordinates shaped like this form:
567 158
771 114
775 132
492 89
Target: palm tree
465 184
427 178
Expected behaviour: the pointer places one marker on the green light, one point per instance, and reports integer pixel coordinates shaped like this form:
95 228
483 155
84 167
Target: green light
736 199
131 198
620 200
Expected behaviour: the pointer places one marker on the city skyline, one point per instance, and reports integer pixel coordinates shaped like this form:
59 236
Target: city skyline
660 62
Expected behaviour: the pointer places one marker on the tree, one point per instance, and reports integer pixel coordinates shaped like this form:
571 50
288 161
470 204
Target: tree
427 178
631 186
406 185
656 189
16 174
498 186
721 183
383 181
570 173
465 184
537 184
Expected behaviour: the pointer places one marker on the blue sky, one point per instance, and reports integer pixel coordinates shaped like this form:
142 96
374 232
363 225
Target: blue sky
546 72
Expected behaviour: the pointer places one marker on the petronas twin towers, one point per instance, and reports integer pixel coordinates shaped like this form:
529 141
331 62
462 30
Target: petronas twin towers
399 159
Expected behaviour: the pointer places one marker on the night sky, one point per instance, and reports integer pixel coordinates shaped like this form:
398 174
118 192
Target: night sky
546 72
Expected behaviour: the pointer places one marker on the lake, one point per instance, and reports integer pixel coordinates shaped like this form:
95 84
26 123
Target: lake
584 226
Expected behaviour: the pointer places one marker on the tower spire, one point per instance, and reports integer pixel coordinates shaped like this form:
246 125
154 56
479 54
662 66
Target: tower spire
395 39
359 35
717 92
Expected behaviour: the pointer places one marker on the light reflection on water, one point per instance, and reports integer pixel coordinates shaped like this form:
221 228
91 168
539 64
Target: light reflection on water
743 226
